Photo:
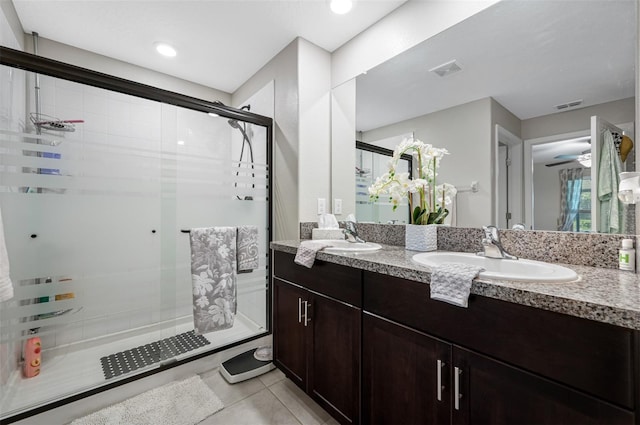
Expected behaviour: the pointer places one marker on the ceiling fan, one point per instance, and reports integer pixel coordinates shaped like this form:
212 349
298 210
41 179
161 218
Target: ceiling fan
583 158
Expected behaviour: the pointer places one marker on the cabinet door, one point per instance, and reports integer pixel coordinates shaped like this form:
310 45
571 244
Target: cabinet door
334 380
491 392
400 375
289 331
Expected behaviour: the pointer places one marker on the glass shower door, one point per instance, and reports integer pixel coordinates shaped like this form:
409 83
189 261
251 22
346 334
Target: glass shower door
81 213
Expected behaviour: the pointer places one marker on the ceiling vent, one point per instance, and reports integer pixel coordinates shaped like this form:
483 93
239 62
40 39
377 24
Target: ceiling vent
568 105
446 68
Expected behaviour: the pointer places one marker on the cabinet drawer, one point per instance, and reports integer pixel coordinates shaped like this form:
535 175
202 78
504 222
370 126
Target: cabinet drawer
591 356
340 282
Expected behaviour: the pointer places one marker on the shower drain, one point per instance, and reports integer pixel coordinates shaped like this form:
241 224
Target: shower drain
126 361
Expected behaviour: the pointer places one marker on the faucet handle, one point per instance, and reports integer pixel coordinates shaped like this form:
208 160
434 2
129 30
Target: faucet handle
350 225
491 232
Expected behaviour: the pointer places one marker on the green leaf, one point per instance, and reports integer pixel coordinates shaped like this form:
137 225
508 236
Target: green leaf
417 214
438 216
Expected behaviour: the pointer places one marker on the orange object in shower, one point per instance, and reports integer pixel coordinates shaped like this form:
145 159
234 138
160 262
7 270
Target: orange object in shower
32 358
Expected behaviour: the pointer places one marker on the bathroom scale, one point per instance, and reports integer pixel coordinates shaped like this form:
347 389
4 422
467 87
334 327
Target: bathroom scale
244 366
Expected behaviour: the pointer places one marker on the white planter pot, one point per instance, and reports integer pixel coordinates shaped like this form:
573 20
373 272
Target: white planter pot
420 237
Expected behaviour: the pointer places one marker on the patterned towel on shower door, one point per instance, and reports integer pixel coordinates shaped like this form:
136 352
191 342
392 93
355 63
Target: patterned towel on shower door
213 277
248 252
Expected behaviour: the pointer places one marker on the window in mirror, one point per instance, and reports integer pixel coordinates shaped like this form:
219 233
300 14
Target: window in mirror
583 218
372 162
576 193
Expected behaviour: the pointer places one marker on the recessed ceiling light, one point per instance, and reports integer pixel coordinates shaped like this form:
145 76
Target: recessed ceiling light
341 7
166 50
213 114
181 142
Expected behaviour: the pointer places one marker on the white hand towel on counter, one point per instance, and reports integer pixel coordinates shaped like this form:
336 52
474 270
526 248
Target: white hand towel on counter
6 287
247 252
451 282
306 254
213 278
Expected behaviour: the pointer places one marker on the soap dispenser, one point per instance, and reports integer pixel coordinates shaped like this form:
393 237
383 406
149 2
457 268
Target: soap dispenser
627 256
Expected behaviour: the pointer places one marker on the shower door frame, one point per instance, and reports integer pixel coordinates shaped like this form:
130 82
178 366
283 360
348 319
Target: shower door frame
38 64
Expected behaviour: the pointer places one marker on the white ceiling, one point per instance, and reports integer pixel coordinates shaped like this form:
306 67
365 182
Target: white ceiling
220 43
528 55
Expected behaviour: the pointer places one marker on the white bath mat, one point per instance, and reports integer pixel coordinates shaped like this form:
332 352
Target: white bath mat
177 403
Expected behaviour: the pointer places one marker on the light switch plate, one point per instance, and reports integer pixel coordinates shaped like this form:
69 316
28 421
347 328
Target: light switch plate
322 205
337 206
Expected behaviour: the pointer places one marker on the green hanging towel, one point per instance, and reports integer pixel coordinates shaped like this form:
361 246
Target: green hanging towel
609 168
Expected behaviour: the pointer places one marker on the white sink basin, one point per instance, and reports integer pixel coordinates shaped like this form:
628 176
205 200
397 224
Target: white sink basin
346 246
502 269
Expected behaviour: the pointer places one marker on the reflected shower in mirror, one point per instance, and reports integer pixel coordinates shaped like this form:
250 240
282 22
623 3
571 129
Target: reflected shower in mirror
534 69
372 162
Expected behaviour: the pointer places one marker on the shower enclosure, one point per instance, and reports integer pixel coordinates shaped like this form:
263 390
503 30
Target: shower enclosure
99 184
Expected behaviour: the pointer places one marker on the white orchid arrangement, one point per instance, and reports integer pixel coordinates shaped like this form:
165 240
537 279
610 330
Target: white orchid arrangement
432 199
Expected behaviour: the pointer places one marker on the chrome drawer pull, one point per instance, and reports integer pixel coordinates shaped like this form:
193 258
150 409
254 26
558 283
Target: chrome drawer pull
456 383
306 313
440 364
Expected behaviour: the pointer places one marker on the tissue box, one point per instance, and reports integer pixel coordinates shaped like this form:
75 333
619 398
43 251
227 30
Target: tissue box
327 234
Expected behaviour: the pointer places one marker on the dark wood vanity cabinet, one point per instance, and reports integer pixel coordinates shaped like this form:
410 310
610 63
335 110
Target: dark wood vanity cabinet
409 377
428 362
493 392
376 349
317 332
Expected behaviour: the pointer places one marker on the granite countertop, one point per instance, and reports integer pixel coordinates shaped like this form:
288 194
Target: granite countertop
601 294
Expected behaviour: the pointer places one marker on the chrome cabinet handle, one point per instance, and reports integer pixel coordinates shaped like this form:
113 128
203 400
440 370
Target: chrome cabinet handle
306 312
456 384
440 364
299 310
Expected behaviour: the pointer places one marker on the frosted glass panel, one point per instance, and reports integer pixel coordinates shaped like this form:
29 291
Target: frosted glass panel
217 184
94 220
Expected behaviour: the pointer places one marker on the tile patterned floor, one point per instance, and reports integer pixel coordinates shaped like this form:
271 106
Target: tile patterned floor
269 399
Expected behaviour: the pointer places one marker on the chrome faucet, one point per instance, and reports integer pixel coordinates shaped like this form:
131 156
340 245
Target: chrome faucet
351 232
491 246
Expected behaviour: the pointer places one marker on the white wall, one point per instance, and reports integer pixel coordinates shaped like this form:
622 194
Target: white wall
302 150
283 70
405 27
11 33
343 152
466 132
314 86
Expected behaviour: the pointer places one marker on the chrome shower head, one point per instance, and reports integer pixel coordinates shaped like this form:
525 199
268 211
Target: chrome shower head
234 124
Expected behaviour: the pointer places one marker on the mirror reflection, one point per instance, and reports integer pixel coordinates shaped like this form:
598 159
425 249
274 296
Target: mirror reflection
372 162
515 76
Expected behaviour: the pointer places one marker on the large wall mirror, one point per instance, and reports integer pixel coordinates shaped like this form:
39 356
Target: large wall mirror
496 88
